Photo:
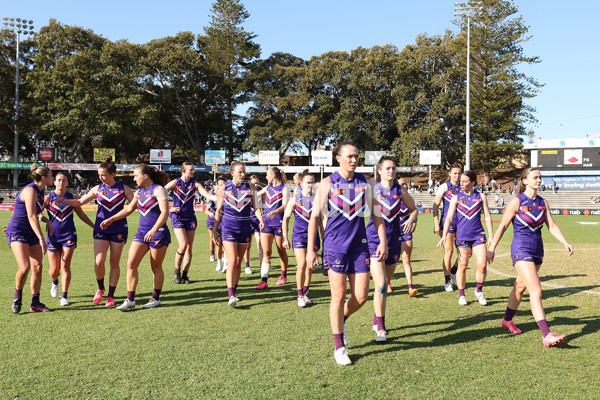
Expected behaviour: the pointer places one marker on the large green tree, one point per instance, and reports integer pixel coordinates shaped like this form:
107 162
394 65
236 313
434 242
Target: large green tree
499 112
428 97
230 50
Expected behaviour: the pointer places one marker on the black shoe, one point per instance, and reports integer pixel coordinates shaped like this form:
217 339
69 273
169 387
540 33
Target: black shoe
185 279
39 308
177 277
16 306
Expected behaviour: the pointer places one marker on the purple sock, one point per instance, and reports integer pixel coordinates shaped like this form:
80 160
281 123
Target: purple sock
18 293
453 270
131 295
543 324
300 293
338 339
230 291
247 264
461 292
55 281
64 295
509 314
447 278
379 323
305 290
212 252
284 274
410 286
111 291
374 319
156 294
177 270
345 318
479 287
383 323
35 299
100 284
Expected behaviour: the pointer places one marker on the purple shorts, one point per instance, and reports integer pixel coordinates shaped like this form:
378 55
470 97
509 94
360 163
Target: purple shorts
296 244
56 244
237 237
161 239
393 254
352 263
27 237
255 225
452 228
111 237
535 260
407 237
273 230
188 225
469 244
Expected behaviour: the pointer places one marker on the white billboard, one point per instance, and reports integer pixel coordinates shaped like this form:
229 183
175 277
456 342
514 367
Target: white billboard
430 157
322 157
268 157
160 156
372 157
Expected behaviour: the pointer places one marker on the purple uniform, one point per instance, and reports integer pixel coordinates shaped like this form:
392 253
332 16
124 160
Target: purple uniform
19 229
390 201
302 209
61 217
212 207
345 240
111 200
236 225
469 230
404 216
273 200
148 206
451 190
183 197
527 242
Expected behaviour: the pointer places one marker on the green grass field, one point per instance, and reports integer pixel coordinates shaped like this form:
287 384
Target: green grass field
195 346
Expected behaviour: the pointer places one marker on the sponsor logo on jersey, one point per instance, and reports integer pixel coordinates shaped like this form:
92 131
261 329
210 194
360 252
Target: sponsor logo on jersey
526 209
360 189
338 192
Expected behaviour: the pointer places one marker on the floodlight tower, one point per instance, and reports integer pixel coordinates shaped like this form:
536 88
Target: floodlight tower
468 9
18 26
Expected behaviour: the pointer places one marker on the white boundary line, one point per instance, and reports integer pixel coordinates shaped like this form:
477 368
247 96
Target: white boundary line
550 285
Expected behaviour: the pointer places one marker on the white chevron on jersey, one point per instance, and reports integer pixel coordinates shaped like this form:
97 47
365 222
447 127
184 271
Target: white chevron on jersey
302 215
184 199
143 205
467 216
527 224
349 203
57 216
246 200
109 199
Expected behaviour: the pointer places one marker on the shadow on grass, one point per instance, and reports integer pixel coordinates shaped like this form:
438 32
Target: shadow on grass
465 330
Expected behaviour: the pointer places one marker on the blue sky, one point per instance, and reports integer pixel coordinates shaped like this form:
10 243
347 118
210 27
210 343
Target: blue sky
564 37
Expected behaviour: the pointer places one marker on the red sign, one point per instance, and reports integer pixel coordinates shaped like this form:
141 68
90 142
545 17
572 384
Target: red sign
46 154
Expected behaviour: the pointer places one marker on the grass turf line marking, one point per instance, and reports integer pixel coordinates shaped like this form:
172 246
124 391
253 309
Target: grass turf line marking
550 285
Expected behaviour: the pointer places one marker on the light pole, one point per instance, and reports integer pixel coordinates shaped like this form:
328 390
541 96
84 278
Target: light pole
468 9
18 26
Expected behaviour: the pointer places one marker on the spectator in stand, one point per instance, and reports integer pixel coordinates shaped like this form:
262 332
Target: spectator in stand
554 186
496 199
501 202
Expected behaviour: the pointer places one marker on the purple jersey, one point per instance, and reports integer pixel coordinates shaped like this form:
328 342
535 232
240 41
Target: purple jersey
274 200
403 217
527 227
451 190
148 206
390 201
183 197
468 216
237 205
345 232
61 215
19 223
212 207
302 209
111 200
